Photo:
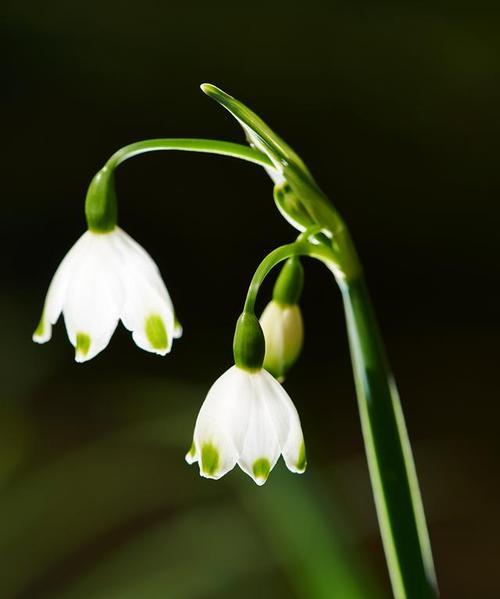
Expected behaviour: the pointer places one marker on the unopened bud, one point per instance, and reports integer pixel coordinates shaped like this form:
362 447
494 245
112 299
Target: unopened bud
282 322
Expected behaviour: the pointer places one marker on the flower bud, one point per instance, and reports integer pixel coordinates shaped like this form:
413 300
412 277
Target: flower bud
282 323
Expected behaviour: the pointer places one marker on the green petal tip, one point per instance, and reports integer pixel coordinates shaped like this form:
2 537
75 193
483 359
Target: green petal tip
209 459
261 469
40 329
156 332
82 345
302 459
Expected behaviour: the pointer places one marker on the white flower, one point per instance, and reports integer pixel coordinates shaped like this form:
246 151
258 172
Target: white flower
247 419
284 334
106 277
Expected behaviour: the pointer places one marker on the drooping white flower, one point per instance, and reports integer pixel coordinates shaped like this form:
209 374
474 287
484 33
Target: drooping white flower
247 419
284 333
103 278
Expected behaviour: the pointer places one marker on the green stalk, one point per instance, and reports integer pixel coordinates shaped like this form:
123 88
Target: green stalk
390 461
100 204
206 146
392 469
301 247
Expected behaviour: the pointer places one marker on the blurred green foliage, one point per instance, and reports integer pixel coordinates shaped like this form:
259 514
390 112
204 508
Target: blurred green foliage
121 515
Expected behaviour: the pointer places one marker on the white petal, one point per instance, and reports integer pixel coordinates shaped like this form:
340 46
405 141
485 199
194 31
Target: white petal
57 291
221 423
279 406
148 316
294 451
178 330
191 456
293 447
94 298
262 447
137 257
148 311
287 423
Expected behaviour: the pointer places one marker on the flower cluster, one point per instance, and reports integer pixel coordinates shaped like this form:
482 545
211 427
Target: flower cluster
247 417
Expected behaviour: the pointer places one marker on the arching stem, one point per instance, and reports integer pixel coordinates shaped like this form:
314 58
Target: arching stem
206 146
301 247
101 205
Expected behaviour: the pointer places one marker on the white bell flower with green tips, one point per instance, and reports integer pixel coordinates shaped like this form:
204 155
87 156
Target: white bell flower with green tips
247 417
104 278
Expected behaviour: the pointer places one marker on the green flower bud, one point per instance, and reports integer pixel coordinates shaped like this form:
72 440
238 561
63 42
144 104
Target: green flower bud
248 345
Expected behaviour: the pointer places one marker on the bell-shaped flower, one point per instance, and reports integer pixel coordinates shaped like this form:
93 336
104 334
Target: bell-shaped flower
247 419
103 278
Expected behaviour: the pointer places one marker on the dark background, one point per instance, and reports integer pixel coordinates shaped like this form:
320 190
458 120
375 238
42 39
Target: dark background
394 107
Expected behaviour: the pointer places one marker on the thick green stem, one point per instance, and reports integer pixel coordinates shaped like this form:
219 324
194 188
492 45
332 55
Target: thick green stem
392 470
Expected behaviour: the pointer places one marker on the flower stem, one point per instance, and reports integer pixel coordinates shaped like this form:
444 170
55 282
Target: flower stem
390 461
101 205
392 469
207 146
301 247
